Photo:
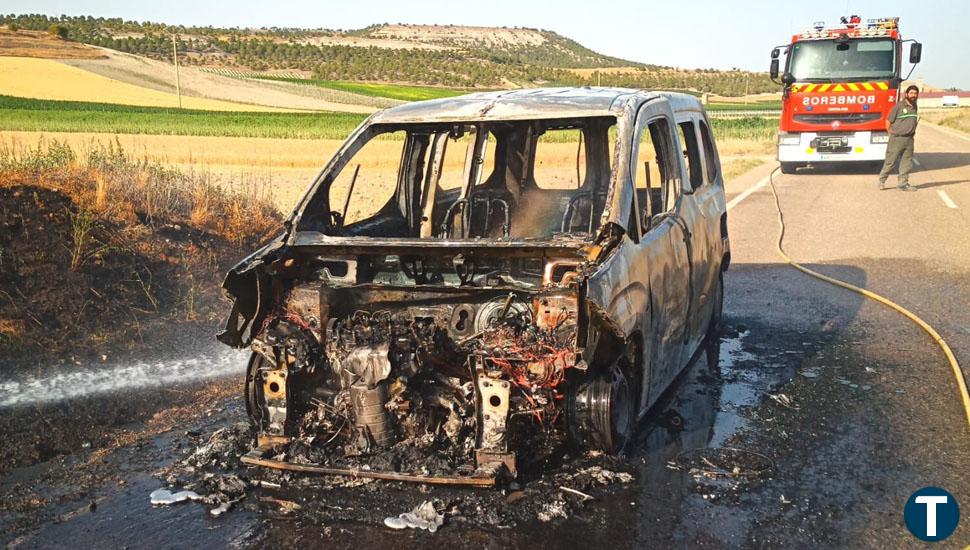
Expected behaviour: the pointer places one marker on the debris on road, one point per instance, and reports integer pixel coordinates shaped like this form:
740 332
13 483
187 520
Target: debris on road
552 510
161 497
286 506
722 471
603 476
209 472
580 494
783 400
423 516
224 507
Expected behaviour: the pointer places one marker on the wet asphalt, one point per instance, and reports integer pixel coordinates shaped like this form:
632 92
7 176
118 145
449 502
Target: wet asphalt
823 414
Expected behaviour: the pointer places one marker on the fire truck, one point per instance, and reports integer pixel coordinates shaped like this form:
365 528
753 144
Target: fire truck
839 85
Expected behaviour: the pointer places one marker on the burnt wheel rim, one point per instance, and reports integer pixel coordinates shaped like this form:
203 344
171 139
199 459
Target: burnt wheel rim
253 391
621 410
600 412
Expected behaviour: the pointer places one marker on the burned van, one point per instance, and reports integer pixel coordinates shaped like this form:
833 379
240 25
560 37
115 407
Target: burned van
474 283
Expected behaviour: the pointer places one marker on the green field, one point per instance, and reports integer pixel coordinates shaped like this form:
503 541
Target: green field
73 116
748 128
391 91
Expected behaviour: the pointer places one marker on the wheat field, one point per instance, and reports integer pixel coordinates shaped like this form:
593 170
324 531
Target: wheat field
284 168
50 79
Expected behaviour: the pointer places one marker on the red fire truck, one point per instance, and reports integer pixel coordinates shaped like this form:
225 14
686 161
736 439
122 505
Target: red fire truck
839 84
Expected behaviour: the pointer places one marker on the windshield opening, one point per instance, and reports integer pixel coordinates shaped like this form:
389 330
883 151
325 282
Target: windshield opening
859 59
512 180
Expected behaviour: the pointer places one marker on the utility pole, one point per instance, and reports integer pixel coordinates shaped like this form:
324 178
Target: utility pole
175 56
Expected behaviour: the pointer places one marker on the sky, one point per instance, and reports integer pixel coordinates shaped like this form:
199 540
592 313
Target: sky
691 34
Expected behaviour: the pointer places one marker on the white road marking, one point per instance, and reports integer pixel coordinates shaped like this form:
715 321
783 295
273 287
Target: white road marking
747 192
946 199
916 162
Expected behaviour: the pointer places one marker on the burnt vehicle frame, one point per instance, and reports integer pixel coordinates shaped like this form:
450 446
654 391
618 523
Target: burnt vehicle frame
495 317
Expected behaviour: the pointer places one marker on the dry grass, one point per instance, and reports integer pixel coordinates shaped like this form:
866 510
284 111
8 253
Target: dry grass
237 165
49 79
750 98
201 151
958 119
40 44
734 167
741 147
107 184
11 327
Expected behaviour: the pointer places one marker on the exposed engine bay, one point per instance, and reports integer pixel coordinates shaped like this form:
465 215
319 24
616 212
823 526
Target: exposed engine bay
455 383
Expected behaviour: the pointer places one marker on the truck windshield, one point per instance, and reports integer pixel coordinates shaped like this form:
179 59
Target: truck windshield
829 60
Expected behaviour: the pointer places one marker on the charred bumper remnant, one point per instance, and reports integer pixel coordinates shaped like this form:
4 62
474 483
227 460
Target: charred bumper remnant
454 331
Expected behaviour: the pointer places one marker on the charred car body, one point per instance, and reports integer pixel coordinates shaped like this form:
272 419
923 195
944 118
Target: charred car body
534 267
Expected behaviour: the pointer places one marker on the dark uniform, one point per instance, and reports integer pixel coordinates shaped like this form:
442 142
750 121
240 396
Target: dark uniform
903 118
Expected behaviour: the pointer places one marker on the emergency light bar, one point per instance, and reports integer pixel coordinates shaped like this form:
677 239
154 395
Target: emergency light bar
879 26
884 23
852 21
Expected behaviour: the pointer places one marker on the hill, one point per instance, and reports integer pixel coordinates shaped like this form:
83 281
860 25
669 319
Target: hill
51 68
456 56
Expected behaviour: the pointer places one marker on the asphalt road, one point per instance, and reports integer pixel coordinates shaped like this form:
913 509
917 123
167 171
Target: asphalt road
855 455
836 408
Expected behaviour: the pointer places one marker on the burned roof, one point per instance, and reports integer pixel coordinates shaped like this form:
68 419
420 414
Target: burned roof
516 104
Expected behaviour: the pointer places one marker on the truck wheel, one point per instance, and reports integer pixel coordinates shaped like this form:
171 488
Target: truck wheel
600 412
789 167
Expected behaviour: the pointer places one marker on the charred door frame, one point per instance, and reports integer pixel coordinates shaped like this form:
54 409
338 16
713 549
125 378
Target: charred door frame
661 267
700 211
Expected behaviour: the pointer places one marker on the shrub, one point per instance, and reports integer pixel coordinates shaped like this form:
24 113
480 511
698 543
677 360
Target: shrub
59 31
12 27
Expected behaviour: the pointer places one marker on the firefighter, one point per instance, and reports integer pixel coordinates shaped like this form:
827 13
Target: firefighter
901 125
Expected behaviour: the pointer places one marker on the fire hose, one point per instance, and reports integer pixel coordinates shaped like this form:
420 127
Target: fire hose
951 358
